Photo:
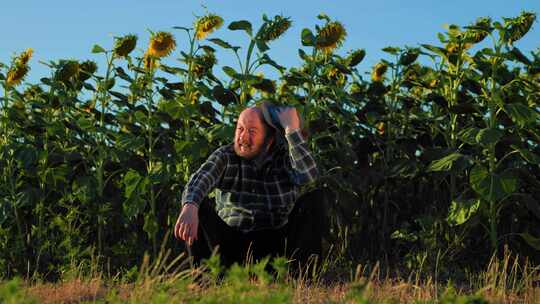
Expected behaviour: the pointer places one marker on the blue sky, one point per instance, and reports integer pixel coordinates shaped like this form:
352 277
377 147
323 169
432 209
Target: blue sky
68 29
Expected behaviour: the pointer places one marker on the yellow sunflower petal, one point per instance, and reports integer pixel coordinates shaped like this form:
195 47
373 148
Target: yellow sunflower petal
330 36
161 44
206 25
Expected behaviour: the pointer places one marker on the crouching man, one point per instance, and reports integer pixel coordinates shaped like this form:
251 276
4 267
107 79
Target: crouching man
257 208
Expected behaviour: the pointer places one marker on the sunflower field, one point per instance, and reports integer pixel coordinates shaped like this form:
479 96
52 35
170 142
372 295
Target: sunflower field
430 159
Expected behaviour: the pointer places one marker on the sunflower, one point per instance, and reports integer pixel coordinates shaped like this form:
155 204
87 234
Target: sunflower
125 45
330 36
68 69
520 26
334 75
378 71
206 25
87 69
161 44
479 30
203 64
25 56
273 29
356 57
19 68
16 74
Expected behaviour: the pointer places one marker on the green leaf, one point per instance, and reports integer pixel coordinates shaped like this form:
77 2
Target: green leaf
404 235
461 211
130 142
468 135
265 59
391 50
230 71
452 161
131 180
150 225
262 46
528 156
517 55
435 49
26 157
521 114
308 39
488 136
85 188
491 186
223 44
241 25
171 107
98 49
134 187
534 242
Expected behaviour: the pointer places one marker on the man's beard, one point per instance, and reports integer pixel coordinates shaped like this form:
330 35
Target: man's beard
253 154
249 154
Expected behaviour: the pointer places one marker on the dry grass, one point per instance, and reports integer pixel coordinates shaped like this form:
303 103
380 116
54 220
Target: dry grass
377 291
73 291
506 280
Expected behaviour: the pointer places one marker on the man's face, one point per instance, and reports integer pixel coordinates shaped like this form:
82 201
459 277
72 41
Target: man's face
250 134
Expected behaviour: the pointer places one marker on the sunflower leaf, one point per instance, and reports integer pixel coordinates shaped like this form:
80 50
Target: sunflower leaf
98 49
223 44
241 25
308 39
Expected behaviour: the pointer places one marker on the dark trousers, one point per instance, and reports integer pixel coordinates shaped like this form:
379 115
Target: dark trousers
298 240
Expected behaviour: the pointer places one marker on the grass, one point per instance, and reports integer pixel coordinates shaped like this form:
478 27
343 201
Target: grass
166 280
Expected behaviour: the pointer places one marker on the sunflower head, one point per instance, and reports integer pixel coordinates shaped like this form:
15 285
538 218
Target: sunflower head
68 69
409 56
335 76
161 44
19 68
125 45
356 57
265 86
378 71
520 26
206 25
16 74
33 92
87 69
204 63
330 36
479 30
273 29
25 56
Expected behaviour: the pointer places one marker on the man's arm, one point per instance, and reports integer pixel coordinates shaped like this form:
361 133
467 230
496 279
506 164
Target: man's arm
200 183
205 179
302 162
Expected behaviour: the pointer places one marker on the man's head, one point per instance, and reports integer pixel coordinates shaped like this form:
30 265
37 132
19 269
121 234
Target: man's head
253 135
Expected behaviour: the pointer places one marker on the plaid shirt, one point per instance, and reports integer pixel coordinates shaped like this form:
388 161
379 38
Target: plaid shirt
250 195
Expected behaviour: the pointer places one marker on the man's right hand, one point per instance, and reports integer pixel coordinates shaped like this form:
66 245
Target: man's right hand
187 224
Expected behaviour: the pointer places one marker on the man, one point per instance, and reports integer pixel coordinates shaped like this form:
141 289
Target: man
257 210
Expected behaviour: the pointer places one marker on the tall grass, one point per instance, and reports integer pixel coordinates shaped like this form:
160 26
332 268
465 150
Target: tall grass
169 279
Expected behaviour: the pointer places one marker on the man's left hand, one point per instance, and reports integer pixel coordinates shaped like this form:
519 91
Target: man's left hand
289 119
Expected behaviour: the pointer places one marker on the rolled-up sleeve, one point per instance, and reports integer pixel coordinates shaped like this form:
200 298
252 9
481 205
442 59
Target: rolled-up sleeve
205 179
304 168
